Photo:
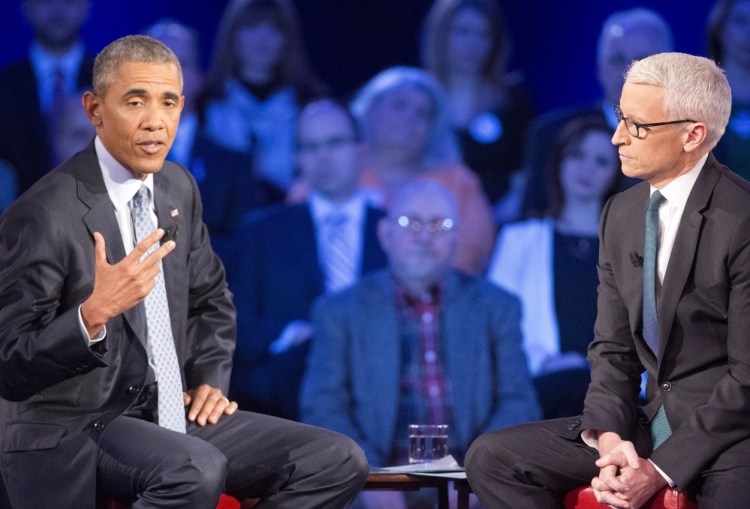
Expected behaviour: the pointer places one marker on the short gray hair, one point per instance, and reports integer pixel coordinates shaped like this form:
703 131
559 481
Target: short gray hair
131 48
695 88
441 146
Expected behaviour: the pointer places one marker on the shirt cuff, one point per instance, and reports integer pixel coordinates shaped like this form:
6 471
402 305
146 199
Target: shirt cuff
665 476
589 437
99 336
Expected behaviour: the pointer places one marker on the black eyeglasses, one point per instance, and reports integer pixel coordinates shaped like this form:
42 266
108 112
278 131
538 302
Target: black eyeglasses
442 224
634 128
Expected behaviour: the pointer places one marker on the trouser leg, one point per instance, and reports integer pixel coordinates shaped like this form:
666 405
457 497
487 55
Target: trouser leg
530 465
285 463
156 467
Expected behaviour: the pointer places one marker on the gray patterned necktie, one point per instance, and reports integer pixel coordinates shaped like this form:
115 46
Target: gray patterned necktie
160 339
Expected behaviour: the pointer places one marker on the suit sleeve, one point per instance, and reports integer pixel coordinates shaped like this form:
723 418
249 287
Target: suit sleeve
211 327
41 343
611 400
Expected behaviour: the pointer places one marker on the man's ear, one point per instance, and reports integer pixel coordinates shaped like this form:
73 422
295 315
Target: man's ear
695 136
91 104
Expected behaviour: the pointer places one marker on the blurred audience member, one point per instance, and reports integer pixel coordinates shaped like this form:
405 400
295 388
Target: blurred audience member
397 348
227 184
34 89
407 135
292 254
466 46
258 77
729 46
626 36
8 185
183 41
550 264
73 129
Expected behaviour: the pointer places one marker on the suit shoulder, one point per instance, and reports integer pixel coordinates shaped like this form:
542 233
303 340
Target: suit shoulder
272 217
484 290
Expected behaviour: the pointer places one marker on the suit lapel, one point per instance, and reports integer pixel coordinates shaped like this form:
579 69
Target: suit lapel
373 257
381 334
304 237
683 252
101 218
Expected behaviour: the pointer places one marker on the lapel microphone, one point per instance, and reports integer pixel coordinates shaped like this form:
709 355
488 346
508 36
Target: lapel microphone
636 259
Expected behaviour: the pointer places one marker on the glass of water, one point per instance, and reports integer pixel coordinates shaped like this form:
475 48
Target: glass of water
427 442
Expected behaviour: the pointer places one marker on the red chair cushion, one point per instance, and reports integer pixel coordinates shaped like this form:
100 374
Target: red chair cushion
225 502
667 498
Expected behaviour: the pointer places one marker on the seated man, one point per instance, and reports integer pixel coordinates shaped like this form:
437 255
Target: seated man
417 342
290 255
115 357
673 300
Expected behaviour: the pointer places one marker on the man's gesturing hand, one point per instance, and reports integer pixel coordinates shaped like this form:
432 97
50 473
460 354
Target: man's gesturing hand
121 286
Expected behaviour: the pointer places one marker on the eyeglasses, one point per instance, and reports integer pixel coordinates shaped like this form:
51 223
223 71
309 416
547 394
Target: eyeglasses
634 128
333 143
442 224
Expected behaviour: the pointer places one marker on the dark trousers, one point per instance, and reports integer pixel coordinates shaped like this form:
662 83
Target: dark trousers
534 465
247 455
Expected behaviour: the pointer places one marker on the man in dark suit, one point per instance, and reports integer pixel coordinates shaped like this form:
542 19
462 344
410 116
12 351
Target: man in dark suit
31 89
625 36
674 300
285 262
115 356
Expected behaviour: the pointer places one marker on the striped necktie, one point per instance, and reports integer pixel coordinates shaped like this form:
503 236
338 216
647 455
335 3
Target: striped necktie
340 266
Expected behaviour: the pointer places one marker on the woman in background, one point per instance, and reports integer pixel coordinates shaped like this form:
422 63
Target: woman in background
465 46
550 264
259 76
729 46
406 135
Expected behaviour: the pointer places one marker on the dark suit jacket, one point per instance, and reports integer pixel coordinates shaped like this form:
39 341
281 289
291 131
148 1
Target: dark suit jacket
352 383
57 395
276 278
702 375
23 129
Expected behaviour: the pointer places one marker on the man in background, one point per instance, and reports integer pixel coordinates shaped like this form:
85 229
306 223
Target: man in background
34 89
417 343
289 255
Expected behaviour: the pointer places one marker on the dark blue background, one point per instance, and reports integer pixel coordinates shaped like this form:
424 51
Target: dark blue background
349 40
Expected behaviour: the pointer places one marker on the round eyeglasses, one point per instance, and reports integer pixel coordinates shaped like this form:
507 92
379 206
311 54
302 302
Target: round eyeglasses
634 128
441 224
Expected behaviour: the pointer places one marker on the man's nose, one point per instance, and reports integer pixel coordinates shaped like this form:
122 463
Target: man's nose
621 135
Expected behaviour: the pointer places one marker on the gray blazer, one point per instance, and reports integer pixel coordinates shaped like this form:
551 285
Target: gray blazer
57 395
351 384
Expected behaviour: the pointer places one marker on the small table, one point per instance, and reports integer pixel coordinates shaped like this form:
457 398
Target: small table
379 481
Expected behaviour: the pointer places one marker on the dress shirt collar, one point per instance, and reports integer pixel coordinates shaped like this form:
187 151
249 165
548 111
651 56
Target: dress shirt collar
678 191
322 208
121 184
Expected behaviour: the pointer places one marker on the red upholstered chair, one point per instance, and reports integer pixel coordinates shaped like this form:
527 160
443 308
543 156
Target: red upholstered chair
667 498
